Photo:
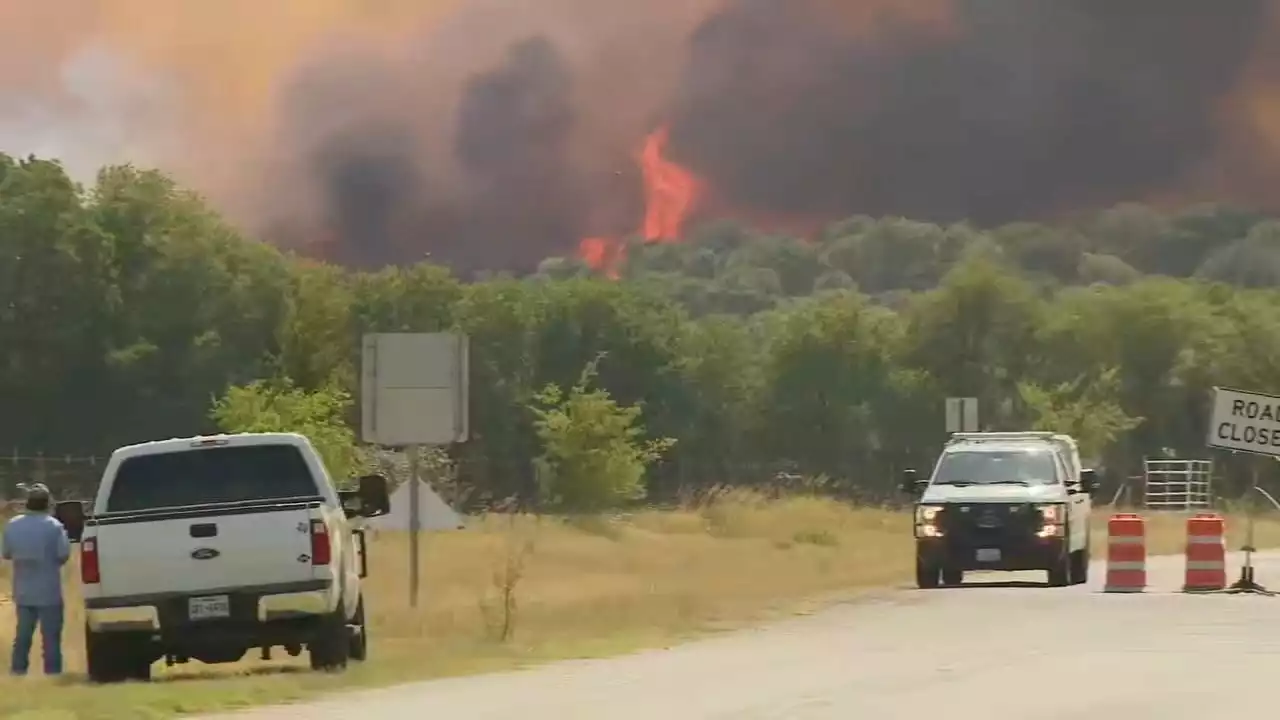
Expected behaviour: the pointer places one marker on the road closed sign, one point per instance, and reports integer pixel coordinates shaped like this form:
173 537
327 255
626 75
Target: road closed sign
1245 421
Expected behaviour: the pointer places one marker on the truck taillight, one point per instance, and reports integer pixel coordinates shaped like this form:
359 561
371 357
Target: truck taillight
320 552
90 572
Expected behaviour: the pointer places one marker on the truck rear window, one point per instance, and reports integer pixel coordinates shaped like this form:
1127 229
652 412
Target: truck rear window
210 475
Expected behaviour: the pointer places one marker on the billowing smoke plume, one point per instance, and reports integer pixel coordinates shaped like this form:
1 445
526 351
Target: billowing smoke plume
1025 107
490 134
512 142
492 141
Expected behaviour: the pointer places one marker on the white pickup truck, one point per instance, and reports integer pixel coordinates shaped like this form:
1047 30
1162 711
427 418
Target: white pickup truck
203 548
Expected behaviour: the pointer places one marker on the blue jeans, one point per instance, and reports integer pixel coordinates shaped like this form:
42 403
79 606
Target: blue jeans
49 617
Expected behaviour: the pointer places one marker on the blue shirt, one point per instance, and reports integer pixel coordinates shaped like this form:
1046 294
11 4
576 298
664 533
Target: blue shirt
38 546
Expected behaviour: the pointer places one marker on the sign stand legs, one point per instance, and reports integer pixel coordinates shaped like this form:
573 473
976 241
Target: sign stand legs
1246 583
415 523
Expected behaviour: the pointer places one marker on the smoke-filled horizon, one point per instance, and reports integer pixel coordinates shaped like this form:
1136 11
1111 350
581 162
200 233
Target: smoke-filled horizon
489 136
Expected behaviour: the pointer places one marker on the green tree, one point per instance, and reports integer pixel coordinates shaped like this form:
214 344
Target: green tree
977 335
57 306
278 406
593 452
197 306
1086 409
827 366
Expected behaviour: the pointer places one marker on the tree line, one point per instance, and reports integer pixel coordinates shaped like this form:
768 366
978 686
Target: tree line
129 310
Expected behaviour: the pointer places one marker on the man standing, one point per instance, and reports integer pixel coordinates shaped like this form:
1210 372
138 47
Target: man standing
37 544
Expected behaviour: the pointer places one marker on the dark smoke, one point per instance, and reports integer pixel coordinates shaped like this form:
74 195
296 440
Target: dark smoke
514 127
369 181
361 160
507 138
1029 107
506 199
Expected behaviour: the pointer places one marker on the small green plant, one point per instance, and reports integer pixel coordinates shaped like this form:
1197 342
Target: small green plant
594 456
501 609
821 538
595 524
278 406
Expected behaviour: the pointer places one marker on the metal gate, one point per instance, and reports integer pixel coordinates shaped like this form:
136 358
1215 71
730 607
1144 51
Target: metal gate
1178 484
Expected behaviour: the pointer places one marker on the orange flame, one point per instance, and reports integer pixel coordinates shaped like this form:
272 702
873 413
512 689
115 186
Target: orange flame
670 192
603 254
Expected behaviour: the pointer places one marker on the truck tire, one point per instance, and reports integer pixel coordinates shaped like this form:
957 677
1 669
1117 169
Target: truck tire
1060 572
140 668
115 658
1080 566
358 633
952 576
331 645
927 574
102 658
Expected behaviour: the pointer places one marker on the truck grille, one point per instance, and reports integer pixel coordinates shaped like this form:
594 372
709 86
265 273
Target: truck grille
990 523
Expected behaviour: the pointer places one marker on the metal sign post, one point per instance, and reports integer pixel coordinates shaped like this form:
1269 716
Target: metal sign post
1246 582
415 524
414 392
1242 421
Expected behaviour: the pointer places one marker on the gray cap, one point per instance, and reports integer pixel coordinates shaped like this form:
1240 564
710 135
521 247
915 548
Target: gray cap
38 490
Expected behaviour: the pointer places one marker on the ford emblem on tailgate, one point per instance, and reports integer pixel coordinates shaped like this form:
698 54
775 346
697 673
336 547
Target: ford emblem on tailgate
204 553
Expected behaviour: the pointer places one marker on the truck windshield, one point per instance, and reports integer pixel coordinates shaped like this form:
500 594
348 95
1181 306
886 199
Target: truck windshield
210 475
1031 466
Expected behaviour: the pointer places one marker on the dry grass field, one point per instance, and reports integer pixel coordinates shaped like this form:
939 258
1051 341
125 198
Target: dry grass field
580 587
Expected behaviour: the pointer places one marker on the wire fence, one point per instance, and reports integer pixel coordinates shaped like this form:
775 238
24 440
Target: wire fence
76 477
68 477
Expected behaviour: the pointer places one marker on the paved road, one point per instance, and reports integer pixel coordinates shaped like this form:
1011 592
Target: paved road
987 651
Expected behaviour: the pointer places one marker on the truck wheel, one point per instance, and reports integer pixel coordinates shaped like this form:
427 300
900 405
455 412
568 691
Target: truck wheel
952 576
139 668
358 634
1080 566
113 658
331 646
927 574
1060 573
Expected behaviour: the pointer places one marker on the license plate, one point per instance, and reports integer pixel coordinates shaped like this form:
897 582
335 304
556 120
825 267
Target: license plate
989 555
209 608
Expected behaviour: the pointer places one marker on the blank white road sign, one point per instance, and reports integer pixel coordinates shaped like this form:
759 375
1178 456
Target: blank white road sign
1245 421
414 388
962 414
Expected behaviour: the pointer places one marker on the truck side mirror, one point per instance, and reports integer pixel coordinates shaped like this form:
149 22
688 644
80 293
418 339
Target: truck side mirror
375 500
72 515
1089 481
909 481
352 506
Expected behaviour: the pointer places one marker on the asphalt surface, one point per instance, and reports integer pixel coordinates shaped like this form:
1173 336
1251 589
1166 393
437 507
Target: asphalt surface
987 650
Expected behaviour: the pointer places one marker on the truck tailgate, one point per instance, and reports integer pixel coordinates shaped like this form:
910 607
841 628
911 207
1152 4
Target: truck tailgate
194 553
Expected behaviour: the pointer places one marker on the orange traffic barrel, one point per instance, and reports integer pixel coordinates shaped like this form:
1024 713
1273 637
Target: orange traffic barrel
1206 553
1126 553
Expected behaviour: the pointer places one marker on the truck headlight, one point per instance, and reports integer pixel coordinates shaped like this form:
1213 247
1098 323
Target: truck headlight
1051 531
927 521
1052 518
927 513
1053 514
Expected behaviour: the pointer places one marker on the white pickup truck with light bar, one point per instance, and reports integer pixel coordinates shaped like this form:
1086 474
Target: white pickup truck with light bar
204 548
1003 501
